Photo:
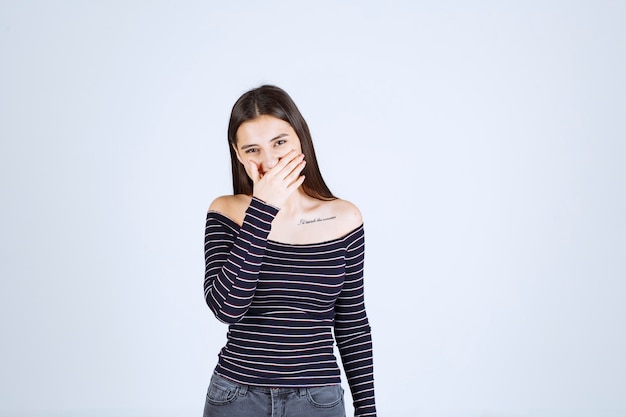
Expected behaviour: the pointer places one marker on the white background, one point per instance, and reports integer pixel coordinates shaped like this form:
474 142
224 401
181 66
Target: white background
484 141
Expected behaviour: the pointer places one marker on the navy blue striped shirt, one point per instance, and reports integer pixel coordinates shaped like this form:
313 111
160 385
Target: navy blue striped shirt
284 301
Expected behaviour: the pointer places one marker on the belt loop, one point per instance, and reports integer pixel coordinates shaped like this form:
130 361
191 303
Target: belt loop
243 389
302 391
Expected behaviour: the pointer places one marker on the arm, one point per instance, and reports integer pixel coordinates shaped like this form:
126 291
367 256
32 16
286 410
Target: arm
233 262
352 330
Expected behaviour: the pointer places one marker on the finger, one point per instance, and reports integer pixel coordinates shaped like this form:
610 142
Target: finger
296 164
284 161
295 171
296 184
254 172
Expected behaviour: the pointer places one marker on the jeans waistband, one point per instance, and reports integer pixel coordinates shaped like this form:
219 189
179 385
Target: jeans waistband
243 388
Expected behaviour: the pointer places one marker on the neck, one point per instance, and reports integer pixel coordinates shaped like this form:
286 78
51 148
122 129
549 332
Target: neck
295 203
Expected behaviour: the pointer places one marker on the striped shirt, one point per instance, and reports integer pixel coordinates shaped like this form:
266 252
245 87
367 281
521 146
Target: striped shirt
283 302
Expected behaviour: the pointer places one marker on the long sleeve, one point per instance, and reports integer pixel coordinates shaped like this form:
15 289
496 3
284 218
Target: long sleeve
233 260
352 331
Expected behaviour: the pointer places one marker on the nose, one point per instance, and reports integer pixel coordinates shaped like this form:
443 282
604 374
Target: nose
269 163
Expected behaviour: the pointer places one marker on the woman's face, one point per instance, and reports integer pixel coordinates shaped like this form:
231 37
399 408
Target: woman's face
264 141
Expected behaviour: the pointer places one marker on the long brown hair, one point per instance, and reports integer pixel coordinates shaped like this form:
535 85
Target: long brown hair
273 101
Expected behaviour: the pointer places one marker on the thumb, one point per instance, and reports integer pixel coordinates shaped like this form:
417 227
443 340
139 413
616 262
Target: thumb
254 172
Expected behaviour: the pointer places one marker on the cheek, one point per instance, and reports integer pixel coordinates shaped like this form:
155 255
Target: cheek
245 162
244 158
287 149
283 153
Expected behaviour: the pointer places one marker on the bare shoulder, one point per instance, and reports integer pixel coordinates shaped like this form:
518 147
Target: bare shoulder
347 212
231 206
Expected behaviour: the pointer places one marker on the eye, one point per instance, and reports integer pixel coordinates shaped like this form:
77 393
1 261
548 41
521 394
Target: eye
280 142
251 150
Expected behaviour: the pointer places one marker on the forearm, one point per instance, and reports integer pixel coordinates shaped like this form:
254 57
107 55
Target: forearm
352 331
355 348
232 267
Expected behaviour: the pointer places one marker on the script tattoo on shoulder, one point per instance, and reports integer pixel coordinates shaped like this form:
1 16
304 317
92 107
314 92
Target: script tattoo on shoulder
316 220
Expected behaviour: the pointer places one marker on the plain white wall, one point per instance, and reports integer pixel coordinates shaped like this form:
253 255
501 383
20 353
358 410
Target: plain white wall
484 142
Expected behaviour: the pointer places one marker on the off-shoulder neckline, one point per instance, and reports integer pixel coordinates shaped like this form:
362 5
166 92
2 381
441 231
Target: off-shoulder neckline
237 227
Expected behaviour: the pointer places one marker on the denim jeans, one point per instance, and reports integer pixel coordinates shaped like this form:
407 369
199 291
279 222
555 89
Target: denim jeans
226 398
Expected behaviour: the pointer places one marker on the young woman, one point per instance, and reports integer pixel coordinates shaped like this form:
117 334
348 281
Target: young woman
284 269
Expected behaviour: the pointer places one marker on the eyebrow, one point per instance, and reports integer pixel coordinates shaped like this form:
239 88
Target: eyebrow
282 135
